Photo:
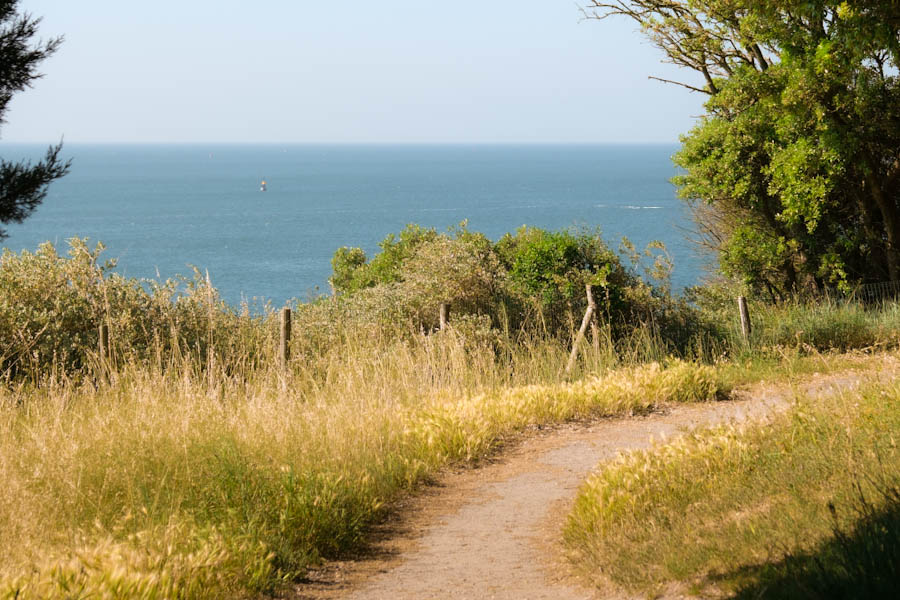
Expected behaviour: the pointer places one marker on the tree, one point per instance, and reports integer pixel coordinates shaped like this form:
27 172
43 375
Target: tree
23 184
794 170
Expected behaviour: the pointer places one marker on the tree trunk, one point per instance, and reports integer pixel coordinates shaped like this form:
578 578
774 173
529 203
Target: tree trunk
876 242
891 218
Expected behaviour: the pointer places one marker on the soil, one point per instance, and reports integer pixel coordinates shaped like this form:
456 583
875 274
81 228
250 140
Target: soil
494 531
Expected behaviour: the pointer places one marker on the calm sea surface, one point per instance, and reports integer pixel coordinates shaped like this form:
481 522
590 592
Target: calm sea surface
161 208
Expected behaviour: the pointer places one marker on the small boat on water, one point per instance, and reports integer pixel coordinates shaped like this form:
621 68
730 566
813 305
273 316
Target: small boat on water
262 185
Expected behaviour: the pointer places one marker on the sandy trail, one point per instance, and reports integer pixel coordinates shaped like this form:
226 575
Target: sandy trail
493 532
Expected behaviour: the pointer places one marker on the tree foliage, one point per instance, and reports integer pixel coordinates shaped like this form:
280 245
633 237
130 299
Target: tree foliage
794 170
23 184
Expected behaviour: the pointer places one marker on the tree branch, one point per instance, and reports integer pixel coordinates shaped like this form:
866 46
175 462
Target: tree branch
684 85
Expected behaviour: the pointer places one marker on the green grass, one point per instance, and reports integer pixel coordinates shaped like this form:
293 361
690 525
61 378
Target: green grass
861 560
719 510
808 327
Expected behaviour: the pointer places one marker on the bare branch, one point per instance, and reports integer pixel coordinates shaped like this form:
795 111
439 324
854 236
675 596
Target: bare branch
684 85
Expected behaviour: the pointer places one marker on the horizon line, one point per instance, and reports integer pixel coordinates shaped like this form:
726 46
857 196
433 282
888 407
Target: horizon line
342 143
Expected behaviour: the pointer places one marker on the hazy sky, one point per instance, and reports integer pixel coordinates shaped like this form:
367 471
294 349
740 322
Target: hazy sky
352 71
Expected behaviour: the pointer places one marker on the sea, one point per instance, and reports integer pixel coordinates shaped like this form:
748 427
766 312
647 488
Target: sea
161 210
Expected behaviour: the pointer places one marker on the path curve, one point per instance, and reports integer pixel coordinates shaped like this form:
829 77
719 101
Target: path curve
493 532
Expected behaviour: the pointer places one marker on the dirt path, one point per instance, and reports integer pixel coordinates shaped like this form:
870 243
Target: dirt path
493 532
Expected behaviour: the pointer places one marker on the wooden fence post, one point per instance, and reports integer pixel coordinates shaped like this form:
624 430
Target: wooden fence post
444 316
285 349
595 328
105 353
745 317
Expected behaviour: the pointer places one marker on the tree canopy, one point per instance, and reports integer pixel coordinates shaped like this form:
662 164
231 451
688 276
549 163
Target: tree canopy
794 170
23 184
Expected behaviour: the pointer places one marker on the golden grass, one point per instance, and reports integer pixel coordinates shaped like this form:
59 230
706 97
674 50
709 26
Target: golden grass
197 470
713 509
165 482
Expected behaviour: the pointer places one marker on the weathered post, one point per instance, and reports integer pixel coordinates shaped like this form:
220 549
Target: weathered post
595 328
444 316
592 306
285 350
745 317
105 354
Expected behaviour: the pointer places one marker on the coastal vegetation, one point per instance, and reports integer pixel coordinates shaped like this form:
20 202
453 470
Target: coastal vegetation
793 177
533 280
156 485
183 456
189 463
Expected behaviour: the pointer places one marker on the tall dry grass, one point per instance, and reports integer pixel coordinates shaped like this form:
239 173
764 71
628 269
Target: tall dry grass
192 466
719 510
174 480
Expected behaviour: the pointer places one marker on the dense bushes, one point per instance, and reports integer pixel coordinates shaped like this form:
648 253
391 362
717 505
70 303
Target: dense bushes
528 287
530 284
549 271
353 271
51 307
531 280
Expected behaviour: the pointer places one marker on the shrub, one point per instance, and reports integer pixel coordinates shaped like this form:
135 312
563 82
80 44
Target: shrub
352 272
464 272
349 273
553 267
51 308
534 279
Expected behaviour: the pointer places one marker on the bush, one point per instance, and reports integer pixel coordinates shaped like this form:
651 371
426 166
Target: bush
51 308
552 268
531 281
464 272
349 275
352 272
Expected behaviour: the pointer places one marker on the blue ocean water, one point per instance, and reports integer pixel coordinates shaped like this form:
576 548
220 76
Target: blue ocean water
160 208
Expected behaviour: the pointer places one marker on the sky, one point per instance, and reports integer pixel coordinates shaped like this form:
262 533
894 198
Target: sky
321 71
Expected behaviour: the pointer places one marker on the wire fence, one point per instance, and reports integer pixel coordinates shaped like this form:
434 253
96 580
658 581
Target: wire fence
865 293
872 293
